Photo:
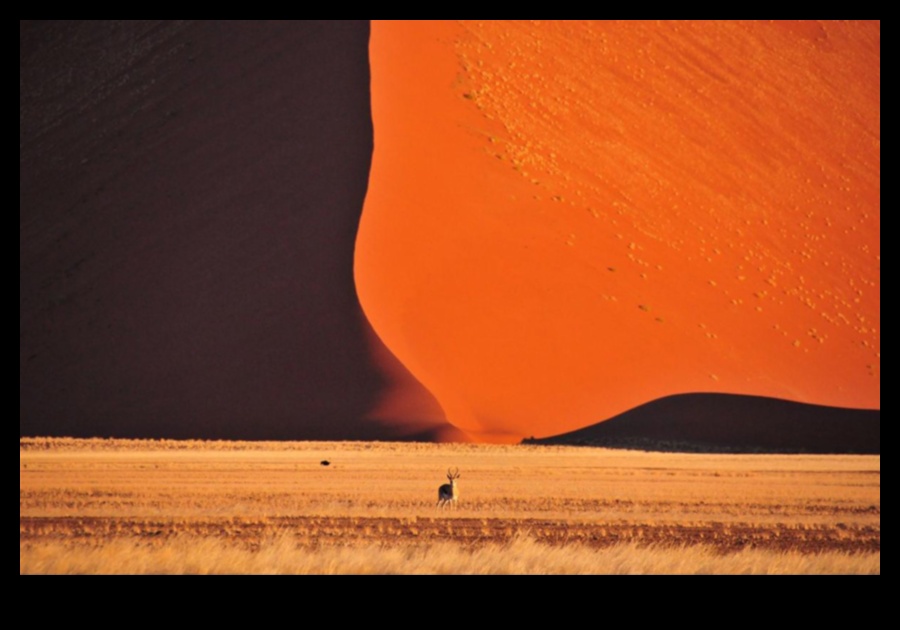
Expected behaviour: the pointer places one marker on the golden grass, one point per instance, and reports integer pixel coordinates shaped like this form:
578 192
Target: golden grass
281 555
130 506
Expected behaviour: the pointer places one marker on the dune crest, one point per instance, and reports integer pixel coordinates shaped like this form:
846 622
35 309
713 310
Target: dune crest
565 220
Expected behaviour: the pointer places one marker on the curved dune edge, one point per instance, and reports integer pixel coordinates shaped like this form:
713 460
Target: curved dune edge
404 407
734 423
190 193
567 219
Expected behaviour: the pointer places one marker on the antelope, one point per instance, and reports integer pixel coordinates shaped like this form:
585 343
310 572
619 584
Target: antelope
449 492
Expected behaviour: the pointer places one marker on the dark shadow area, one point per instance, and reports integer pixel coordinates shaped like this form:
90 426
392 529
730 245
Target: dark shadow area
731 423
189 199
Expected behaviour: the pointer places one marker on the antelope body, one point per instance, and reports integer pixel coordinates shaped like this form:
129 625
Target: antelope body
448 494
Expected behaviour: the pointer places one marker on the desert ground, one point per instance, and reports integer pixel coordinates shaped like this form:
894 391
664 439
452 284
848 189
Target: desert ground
151 506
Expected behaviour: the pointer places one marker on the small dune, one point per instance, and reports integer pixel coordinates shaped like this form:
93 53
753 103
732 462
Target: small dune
734 424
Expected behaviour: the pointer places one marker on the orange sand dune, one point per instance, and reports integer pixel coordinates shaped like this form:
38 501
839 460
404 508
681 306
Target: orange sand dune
566 220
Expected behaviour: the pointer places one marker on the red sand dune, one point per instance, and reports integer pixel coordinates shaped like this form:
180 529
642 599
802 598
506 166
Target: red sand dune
566 220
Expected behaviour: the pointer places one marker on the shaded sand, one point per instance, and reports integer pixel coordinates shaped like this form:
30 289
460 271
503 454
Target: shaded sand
566 220
189 199
736 424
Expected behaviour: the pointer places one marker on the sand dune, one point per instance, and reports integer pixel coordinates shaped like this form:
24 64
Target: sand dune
566 220
734 423
562 221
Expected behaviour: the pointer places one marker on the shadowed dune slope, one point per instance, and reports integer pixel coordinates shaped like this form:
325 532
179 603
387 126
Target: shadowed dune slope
734 423
189 198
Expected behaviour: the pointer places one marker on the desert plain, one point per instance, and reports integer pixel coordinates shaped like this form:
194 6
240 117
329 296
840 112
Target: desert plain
174 507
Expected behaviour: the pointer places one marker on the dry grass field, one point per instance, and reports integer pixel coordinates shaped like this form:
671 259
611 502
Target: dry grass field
134 506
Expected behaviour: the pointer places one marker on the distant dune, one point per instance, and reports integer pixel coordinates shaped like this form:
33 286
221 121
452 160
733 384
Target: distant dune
733 423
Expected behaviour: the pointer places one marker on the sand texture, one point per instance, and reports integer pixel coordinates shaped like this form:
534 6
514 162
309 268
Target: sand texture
567 220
